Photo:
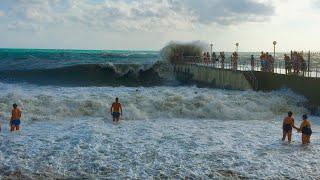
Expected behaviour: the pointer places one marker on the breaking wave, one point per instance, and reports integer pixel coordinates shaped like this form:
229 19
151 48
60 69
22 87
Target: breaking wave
93 75
52 103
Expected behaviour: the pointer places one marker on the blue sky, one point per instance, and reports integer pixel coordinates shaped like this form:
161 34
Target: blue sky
150 24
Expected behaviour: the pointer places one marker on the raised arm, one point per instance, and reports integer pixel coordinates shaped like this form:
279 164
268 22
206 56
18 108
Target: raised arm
120 109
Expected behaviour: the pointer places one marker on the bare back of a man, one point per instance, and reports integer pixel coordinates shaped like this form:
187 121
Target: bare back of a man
116 110
15 118
287 125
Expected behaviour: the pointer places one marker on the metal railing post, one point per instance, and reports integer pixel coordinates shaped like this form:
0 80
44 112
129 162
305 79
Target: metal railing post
309 63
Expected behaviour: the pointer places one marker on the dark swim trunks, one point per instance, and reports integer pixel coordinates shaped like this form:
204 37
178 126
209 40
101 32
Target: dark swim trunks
15 122
287 127
116 114
307 131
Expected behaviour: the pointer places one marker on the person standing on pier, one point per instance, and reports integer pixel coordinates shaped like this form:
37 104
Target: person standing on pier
296 64
234 61
213 58
208 57
288 64
267 62
252 62
205 59
303 64
223 57
271 63
263 61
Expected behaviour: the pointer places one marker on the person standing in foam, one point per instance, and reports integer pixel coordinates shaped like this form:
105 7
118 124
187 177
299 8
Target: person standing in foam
305 129
116 110
287 125
15 118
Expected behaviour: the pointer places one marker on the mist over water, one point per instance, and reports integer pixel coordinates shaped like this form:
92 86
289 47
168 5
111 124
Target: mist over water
167 131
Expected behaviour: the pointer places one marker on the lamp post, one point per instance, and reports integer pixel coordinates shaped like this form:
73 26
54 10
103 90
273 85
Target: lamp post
237 45
211 45
274 49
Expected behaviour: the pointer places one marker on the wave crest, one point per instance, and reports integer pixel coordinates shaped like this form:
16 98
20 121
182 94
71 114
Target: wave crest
51 103
93 75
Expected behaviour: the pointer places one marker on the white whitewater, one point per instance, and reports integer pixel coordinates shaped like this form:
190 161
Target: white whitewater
166 132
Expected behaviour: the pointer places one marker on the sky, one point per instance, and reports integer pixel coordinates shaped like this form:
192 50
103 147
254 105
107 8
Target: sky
151 24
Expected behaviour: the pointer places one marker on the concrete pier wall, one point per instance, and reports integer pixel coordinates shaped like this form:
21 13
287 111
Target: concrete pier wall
240 80
220 78
307 86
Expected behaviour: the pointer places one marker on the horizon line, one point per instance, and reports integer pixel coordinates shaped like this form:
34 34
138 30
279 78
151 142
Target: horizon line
74 49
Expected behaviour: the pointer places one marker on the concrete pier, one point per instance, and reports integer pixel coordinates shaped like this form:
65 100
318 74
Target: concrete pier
307 86
244 80
220 78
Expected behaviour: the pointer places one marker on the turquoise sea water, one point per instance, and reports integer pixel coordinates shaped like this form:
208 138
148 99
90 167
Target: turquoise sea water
14 59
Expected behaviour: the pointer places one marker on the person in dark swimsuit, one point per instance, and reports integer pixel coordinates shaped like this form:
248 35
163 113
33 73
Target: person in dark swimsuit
15 118
305 129
287 125
116 110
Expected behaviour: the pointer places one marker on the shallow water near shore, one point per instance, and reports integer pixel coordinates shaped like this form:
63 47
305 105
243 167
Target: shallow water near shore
166 132
175 148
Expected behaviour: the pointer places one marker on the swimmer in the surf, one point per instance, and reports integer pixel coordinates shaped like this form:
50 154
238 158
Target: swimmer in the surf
15 118
116 110
287 125
305 129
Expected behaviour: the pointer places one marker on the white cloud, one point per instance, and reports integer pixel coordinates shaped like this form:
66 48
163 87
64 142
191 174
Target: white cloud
18 25
225 12
117 15
145 15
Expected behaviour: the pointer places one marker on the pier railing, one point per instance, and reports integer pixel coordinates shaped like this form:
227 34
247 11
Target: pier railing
279 66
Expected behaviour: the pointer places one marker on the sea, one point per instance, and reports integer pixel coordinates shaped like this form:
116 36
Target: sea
168 130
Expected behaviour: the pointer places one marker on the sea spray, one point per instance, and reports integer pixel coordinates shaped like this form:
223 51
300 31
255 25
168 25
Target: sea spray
140 103
170 52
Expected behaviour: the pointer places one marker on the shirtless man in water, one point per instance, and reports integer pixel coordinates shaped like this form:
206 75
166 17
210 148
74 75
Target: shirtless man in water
15 118
116 110
287 125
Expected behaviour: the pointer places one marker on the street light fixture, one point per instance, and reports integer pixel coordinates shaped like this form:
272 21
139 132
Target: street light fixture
274 49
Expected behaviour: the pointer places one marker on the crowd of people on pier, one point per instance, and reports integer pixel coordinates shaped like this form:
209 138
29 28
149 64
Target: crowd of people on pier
293 64
267 62
220 59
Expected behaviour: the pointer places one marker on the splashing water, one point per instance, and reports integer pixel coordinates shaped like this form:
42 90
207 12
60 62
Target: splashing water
166 132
